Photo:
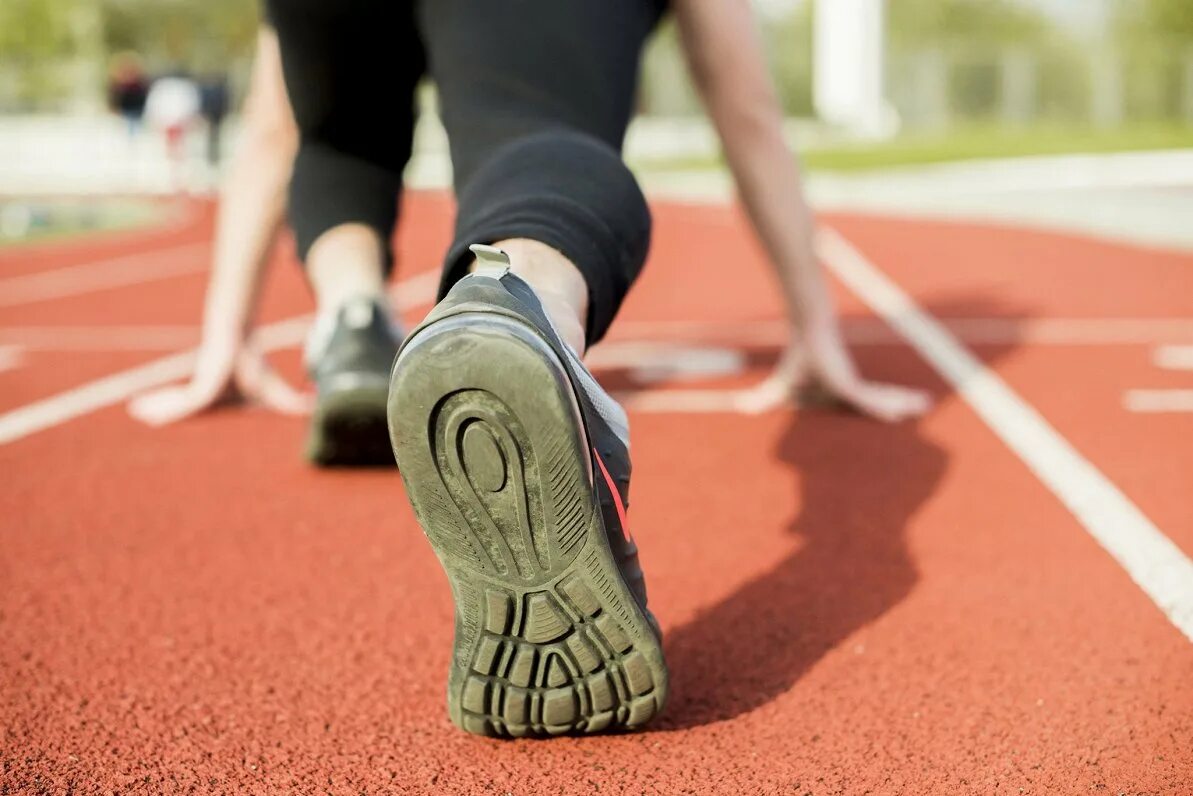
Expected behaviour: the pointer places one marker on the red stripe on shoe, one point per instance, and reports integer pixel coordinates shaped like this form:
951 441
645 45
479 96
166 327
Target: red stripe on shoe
621 512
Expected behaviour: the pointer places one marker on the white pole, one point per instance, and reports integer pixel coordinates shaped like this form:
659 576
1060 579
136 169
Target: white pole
849 65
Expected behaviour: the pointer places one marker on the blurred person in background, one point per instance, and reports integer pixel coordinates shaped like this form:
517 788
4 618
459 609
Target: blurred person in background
214 101
172 108
128 89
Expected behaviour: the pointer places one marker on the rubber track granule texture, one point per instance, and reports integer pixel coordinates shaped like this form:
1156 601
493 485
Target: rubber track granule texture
488 437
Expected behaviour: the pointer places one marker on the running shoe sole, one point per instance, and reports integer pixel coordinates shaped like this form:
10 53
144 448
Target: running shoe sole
348 428
492 448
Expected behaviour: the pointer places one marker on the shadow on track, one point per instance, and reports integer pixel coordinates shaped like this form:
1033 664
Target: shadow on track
860 483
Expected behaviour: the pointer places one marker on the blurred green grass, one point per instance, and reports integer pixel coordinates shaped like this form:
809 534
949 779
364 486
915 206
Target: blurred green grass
968 143
25 220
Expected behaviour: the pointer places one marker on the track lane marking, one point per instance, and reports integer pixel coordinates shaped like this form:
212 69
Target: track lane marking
11 357
978 331
1158 401
1143 401
1149 557
1173 357
91 397
100 338
1165 333
668 402
129 269
119 387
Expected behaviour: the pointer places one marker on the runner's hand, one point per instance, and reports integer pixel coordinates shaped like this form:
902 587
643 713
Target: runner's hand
249 379
817 367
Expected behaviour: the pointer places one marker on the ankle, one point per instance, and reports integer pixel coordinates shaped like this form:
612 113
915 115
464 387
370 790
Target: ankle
564 318
558 284
346 264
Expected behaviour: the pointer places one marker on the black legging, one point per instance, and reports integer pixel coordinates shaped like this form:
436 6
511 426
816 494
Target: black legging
535 96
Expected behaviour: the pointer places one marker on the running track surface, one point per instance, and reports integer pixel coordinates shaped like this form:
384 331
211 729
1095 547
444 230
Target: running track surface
849 607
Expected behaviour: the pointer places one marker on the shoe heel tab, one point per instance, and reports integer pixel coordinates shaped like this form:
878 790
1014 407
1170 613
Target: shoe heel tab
490 261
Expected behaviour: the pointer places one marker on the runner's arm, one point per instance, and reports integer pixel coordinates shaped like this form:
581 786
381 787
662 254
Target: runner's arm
252 204
252 201
724 51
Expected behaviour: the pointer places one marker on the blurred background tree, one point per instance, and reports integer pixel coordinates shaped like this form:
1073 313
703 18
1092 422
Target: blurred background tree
1007 62
36 36
787 34
181 33
983 60
788 37
56 51
919 23
1154 41
1169 18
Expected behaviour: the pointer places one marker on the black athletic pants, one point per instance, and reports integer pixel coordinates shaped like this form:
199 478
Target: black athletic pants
535 96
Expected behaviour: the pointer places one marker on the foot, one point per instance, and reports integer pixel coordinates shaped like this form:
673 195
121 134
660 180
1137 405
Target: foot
349 356
517 466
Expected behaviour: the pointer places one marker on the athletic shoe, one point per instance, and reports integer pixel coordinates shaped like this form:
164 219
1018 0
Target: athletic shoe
349 357
517 465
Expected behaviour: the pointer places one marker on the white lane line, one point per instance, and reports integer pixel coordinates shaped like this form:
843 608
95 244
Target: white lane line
115 389
977 331
104 274
732 334
1149 557
1158 401
1173 357
662 401
50 412
1168 357
100 338
651 362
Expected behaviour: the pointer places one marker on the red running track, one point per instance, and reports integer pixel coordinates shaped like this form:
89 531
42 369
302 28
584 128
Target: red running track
849 607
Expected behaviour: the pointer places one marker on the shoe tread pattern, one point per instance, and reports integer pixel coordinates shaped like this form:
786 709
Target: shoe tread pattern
548 640
552 662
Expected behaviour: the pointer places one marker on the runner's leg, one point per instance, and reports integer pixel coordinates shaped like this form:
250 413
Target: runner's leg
536 106
351 68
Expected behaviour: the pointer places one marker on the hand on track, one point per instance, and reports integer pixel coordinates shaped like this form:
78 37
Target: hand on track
817 367
249 379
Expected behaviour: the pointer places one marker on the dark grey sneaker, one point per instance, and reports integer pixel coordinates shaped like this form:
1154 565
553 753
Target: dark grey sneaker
517 465
349 358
